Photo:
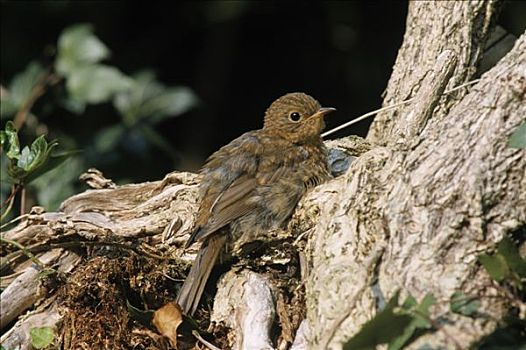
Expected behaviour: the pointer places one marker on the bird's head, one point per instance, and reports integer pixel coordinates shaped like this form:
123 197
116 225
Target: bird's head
296 116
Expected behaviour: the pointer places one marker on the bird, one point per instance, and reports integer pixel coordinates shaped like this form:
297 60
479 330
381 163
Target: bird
253 184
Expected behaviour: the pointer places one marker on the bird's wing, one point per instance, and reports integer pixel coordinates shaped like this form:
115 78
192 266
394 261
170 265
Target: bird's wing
232 203
228 185
229 205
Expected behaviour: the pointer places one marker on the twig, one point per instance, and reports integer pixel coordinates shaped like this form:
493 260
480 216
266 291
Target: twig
13 192
40 247
23 201
20 217
48 79
369 114
26 252
7 210
205 343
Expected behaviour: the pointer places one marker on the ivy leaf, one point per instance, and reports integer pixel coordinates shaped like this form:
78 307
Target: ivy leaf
96 83
7 107
149 99
495 265
420 320
20 89
34 156
42 337
34 160
51 162
9 141
506 263
510 253
78 47
463 305
384 327
518 138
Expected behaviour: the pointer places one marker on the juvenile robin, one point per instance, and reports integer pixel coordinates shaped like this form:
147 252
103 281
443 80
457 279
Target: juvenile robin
253 184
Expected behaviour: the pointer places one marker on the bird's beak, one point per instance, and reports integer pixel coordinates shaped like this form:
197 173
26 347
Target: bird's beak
323 111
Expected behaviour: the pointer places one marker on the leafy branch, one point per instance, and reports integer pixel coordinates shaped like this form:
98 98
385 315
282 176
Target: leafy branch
82 79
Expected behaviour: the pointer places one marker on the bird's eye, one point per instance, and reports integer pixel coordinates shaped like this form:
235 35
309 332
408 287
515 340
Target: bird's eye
294 117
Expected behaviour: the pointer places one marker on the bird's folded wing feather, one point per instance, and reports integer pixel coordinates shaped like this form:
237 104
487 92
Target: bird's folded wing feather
229 205
229 180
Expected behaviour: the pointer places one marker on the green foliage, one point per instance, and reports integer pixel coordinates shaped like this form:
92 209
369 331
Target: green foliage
145 104
9 141
420 320
81 79
78 47
87 81
518 138
464 305
32 161
42 337
395 325
505 263
96 83
151 100
20 89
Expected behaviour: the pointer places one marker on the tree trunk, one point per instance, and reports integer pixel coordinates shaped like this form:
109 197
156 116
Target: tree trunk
414 214
434 185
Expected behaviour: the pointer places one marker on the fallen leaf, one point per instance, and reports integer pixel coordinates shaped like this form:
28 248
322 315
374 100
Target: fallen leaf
167 319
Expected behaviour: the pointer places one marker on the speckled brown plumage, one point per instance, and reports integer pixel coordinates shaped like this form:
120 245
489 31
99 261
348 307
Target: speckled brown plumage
254 183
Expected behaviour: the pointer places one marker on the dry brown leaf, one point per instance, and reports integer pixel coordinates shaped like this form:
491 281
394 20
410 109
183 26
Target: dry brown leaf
166 319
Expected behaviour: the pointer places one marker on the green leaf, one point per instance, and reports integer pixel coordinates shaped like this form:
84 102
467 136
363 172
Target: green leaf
152 101
34 156
25 159
42 337
464 305
35 160
518 138
495 265
9 141
420 319
52 161
78 47
510 253
422 313
8 107
409 303
20 89
96 83
384 327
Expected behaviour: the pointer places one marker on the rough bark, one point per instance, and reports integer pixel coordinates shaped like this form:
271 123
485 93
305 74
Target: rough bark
432 27
413 215
434 186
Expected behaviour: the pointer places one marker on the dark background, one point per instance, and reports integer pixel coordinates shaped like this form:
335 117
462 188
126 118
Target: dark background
236 56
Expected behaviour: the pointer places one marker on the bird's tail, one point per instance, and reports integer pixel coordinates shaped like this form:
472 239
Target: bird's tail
194 284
